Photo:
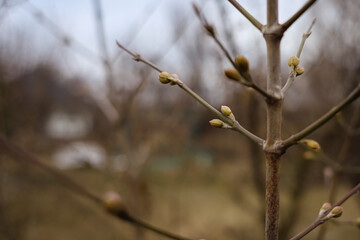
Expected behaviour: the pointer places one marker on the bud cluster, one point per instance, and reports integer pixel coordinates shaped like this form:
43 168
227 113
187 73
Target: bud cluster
293 62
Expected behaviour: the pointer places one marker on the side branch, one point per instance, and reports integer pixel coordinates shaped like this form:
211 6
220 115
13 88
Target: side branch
234 124
292 73
291 20
246 14
322 120
22 155
322 218
210 29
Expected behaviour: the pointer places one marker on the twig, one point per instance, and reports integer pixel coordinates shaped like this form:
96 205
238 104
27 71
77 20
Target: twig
246 14
291 20
292 73
57 32
304 37
21 154
320 220
210 29
322 120
235 125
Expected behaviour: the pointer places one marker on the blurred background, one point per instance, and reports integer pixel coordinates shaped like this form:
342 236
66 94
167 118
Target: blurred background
70 96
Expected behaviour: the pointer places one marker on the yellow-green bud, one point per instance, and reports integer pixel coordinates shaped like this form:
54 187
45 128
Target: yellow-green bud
216 123
312 144
226 110
232 74
242 64
164 77
112 202
324 208
336 211
173 79
293 61
299 70
357 222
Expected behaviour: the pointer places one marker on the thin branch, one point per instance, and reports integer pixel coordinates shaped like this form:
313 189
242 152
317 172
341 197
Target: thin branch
304 37
321 219
291 20
246 14
292 73
322 120
235 125
138 58
21 154
210 29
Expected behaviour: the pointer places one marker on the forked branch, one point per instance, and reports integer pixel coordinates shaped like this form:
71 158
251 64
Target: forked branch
322 120
235 125
210 29
322 218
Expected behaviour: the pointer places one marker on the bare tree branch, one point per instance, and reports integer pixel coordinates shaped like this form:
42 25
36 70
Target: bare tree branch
322 120
292 73
235 125
210 29
321 219
291 20
246 14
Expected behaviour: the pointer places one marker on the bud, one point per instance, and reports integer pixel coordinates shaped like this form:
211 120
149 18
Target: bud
174 78
242 64
164 77
299 70
112 202
336 212
293 61
324 208
216 123
226 110
312 144
232 74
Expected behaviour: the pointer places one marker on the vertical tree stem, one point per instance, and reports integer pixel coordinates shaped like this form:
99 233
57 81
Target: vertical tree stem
272 35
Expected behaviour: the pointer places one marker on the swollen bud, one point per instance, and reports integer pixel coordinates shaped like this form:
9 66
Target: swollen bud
293 61
312 144
232 74
226 110
299 70
336 212
242 64
174 78
324 208
112 202
164 77
216 123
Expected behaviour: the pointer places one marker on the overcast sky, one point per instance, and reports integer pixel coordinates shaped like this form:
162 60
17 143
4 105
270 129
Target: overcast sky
143 23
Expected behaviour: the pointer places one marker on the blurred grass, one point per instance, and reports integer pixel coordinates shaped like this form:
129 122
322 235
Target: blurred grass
198 203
